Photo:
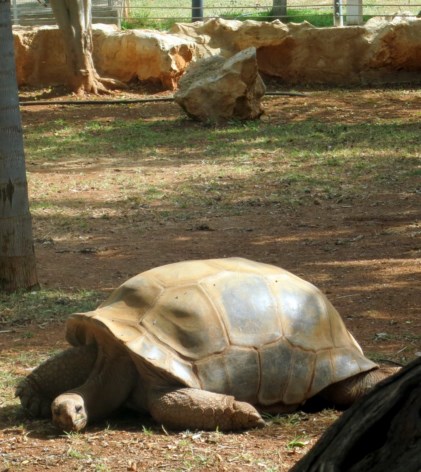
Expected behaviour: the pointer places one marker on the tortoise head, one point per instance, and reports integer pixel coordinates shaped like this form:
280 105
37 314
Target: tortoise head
69 412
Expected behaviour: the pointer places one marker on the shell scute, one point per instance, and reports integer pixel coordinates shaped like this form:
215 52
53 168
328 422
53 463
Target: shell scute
323 374
134 297
221 373
346 360
247 306
162 358
185 319
182 273
276 362
305 315
303 368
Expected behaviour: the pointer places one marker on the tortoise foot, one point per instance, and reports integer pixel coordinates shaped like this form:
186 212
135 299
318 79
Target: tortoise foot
189 408
32 399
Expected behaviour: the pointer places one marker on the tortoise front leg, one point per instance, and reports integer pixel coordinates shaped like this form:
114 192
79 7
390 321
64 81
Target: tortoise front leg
108 388
190 408
56 375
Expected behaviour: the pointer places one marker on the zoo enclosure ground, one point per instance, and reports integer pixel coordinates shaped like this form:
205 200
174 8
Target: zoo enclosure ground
325 185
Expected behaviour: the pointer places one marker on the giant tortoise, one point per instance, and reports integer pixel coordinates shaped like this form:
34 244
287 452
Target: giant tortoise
202 345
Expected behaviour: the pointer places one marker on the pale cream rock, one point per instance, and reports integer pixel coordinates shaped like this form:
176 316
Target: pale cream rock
216 89
380 52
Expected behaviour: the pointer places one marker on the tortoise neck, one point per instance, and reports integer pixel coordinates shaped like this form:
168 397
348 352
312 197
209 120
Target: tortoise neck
108 387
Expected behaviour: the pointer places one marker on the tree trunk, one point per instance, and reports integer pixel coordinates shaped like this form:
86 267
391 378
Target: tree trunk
74 19
381 432
17 257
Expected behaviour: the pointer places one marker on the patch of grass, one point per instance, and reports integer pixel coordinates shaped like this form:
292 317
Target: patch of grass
151 14
142 20
76 454
43 306
7 380
150 171
148 431
319 18
286 420
256 16
298 442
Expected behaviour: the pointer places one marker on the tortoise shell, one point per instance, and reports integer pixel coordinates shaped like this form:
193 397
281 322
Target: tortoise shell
230 326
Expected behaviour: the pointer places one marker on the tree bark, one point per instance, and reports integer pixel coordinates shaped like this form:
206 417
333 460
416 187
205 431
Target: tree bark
17 257
381 432
74 19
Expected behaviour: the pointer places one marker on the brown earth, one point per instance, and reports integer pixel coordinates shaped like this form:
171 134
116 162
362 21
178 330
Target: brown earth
364 253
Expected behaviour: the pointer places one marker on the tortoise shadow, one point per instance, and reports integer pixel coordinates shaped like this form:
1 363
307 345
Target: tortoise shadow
14 420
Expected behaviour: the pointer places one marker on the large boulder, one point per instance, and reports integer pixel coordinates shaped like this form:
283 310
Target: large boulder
124 55
142 54
216 89
395 50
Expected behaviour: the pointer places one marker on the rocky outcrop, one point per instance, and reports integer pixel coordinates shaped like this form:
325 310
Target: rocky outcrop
142 54
379 52
216 89
395 50
125 55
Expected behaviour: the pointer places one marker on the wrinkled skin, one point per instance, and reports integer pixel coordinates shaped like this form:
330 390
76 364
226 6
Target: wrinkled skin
114 382
69 413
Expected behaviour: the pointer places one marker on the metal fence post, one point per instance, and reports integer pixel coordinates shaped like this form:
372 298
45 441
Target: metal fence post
197 10
354 12
15 12
338 18
279 10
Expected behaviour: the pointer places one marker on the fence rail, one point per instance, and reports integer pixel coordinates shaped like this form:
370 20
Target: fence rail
152 14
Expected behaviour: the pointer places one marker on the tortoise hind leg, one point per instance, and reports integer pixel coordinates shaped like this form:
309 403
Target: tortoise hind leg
189 408
65 371
348 391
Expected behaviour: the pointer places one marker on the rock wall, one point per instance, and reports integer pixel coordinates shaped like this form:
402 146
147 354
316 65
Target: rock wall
379 52
124 55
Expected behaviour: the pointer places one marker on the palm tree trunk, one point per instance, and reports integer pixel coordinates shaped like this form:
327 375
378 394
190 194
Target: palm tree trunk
17 257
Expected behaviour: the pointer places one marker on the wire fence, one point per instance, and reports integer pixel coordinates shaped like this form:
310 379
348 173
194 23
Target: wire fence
152 13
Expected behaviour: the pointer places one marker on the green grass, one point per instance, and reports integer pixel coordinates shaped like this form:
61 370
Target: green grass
143 18
320 18
142 172
289 160
43 306
151 14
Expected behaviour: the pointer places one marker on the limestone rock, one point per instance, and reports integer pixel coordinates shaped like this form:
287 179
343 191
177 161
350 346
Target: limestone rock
123 55
382 51
40 60
141 54
395 50
217 89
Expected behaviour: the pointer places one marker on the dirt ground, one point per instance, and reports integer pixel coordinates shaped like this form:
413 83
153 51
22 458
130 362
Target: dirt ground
364 254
